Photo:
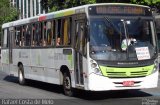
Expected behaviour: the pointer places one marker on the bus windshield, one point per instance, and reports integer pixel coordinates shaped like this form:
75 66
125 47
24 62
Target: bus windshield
116 39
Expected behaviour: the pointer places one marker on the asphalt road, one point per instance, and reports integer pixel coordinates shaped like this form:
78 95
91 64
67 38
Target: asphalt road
51 94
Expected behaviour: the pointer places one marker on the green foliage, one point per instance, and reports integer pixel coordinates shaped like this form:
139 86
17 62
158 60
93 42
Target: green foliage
151 3
147 2
55 5
113 1
7 13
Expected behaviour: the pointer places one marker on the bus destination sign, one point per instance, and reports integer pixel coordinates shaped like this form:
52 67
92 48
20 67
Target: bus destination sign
119 10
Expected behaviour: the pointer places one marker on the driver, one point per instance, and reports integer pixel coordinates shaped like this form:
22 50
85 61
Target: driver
128 41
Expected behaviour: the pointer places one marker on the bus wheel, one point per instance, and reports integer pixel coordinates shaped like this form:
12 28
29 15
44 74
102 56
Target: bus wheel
21 75
67 85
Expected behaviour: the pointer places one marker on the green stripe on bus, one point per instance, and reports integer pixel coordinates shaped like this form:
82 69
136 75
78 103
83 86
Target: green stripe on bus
70 60
67 13
126 72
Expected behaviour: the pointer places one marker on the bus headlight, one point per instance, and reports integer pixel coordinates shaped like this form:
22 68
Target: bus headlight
156 66
97 71
95 67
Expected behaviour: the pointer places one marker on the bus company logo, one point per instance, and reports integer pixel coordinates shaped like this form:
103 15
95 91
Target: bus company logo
147 101
127 63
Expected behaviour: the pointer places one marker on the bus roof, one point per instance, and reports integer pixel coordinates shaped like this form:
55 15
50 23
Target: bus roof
61 13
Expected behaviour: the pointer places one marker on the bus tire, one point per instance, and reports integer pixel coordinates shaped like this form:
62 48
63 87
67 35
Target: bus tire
67 88
21 77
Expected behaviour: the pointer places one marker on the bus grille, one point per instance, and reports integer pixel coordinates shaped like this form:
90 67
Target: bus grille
127 74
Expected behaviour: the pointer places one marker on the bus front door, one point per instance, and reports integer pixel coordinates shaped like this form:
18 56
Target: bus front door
79 55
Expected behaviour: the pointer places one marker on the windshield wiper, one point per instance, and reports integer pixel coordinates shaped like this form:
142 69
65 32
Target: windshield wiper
126 36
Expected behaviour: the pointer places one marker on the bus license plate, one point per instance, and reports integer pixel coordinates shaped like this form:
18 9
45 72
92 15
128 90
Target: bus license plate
128 83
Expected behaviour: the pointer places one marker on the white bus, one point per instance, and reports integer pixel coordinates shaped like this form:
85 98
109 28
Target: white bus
95 47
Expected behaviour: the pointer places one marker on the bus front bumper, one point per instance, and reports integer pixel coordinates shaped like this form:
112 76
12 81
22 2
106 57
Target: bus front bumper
101 83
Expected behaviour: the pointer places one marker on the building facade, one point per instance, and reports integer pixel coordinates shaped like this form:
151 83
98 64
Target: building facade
27 8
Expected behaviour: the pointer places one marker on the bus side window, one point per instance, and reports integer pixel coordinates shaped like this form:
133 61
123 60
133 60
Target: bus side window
33 35
63 32
53 35
58 32
38 34
23 37
67 31
44 43
48 33
5 38
28 35
18 36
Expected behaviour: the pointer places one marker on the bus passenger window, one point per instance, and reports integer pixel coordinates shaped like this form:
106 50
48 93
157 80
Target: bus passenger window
28 35
33 35
48 33
63 31
38 36
5 38
44 35
53 33
18 36
67 31
59 32
23 36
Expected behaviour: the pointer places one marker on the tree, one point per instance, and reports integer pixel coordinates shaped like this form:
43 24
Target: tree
148 2
55 5
44 5
152 3
7 13
113 1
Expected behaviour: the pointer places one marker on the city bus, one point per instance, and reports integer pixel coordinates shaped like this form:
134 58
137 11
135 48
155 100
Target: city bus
94 47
